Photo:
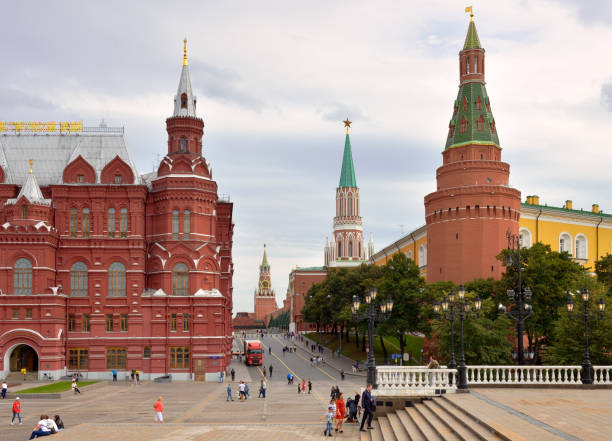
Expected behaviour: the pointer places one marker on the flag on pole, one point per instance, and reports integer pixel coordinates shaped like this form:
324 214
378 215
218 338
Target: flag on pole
468 9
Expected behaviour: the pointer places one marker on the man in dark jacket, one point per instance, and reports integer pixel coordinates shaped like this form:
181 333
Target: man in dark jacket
367 403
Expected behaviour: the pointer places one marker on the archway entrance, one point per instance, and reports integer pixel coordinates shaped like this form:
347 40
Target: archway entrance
24 356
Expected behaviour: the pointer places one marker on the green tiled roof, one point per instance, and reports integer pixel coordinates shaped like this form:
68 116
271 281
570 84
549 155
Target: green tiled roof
565 210
470 92
311 268
471 39
347 175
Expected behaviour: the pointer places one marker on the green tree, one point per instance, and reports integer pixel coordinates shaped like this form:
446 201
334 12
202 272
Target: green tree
603 269
549 274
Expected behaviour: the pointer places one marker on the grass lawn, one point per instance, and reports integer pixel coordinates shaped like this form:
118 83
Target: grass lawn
413 347
53 388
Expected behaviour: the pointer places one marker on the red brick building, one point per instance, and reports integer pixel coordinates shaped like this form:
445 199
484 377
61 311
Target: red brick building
103 268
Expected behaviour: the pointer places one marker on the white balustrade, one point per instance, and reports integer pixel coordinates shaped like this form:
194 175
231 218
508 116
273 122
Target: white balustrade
414 381
549 375
602 374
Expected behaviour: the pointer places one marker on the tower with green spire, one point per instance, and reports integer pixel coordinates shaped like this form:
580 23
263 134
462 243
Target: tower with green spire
347 247
265 299
474 206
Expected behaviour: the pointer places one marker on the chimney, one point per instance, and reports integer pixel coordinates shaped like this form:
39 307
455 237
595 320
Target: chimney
568 205
535 199
595 208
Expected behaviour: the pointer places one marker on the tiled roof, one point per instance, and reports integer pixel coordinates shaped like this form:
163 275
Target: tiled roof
347 175
31 191
565 210
311 268
471 39
53 152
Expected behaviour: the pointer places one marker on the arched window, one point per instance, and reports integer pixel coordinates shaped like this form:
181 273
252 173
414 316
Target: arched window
180 280
23 277
73 222
350 206
424 255
183 145
409 255
339 248
78 280
467 65
581 247
565 243
175 224
475 63
184 101
111 222
123 222
186 224
480 123
359 255
350 248
24 211
524 238
116 280
86 222
421 261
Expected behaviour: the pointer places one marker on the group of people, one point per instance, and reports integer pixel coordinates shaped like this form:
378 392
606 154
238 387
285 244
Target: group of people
46 426
302 387
337 410
289 349
316 360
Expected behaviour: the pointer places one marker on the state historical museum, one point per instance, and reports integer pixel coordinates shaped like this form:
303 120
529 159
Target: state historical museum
105 269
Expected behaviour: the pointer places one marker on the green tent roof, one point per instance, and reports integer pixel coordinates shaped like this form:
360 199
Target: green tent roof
347 175
471 39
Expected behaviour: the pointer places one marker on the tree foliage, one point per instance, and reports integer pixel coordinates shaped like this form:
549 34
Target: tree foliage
603 269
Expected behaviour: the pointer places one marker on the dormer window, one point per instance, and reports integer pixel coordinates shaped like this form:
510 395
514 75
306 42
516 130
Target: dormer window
480 124
465 105
183 145
478 103
184 101
24 212
80 179
117 179
464 125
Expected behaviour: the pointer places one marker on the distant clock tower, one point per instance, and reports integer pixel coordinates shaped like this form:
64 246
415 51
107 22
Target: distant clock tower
265 299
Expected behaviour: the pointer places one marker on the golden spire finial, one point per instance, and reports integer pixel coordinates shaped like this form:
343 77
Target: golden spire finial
185 52
469 9
31 162
347 123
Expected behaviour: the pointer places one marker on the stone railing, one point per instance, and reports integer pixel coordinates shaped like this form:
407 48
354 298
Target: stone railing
414 381
602 374
523 375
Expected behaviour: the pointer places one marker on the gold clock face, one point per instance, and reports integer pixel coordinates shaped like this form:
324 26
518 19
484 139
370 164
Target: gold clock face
264 284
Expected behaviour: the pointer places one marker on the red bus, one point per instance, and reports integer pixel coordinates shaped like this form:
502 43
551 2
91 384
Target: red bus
253 353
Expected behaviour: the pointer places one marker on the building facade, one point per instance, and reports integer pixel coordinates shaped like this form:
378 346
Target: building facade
106 269
468 216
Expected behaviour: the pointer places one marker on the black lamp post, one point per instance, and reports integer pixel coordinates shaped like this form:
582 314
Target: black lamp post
523 295
601 307
371 315
464 313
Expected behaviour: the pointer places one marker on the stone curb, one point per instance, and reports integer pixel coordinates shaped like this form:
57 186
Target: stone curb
53 396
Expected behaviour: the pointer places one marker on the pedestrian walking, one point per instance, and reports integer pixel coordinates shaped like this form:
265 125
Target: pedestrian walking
114 375
229 392
342 374
137 377
299 389
133 377
247 391
264 371
241 394
159 408
340 412
270 371
233 374
309 385
329 419
270 350
367 403
75 387
304 386
4 389
16 411
264 388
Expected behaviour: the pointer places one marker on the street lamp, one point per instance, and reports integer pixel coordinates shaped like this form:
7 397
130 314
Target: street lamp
523 294
463 312
601 308
372 315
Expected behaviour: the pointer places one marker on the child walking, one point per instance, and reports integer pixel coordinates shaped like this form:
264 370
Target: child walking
159 408
75 387
329 419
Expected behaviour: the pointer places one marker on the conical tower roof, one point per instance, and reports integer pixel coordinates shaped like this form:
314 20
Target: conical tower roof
184 88
31 191
347 174
264 261
471 39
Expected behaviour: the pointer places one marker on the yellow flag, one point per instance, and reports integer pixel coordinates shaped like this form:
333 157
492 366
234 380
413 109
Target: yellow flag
468 9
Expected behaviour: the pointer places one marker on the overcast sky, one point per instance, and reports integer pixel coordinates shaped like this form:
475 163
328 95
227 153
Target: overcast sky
274 79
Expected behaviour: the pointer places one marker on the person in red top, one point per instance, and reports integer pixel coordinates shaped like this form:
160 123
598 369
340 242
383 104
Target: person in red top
159 408
340 412
16 411
303 385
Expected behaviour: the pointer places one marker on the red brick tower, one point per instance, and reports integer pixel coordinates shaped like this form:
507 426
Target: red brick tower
473 207
265 299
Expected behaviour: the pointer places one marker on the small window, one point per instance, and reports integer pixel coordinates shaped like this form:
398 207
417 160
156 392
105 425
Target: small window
467 65
184 101
111 222
173 322
350 248
29 313
179 357
15 313
464 126
480 126
22 281
80 179
109 323
118 179
70 322
73 222
183 145
116 280
116 358
146 352
465 105
475 63
186 224
478 103
185 322
86 326
78 359
78 280
124 322
123 222
24 212
175 224
180 280
86 222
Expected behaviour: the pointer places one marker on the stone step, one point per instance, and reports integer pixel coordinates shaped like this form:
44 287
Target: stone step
386 429
462 432
376 432
398 429
365 436
414 433
424 426
436 423
479 430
